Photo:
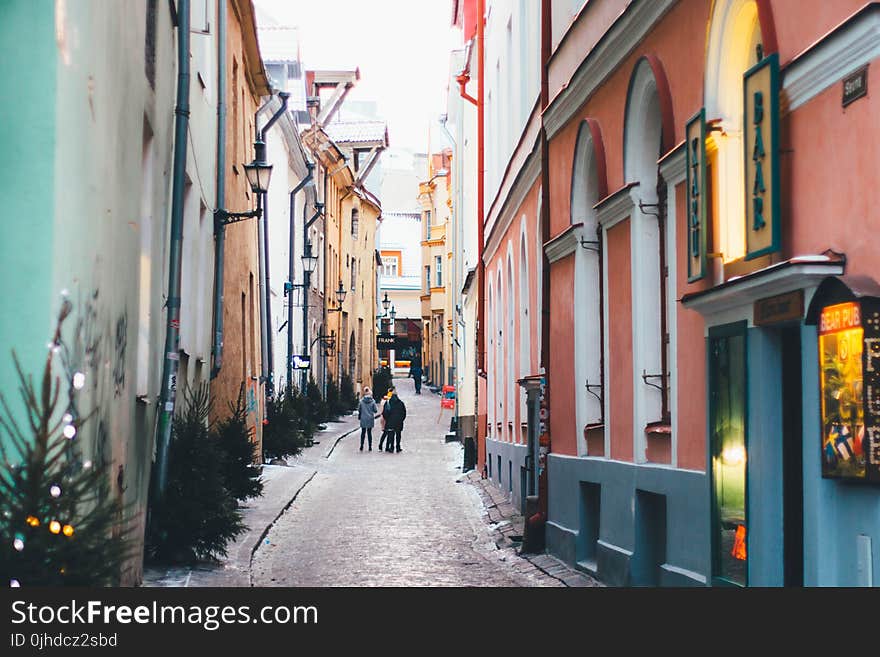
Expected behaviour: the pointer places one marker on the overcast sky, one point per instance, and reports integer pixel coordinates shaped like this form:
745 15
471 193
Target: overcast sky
401 47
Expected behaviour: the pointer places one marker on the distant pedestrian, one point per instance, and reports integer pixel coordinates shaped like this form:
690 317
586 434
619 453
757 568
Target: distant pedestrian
367 410
395 414
383 421
415 371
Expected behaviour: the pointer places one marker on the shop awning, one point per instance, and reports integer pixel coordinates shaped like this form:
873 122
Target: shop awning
792 274
840 289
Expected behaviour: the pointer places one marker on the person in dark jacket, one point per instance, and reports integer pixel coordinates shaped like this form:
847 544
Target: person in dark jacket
415 371
367 411
395 414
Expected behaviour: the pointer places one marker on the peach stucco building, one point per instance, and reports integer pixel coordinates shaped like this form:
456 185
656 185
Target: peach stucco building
677 245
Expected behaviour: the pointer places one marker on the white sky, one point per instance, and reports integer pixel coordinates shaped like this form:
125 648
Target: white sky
402 48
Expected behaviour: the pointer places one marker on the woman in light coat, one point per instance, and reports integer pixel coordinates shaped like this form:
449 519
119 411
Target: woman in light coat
367 411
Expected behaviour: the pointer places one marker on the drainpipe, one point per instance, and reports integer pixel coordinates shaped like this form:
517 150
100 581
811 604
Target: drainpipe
456 248
172 326
546 36
481 175
260 155
290 271
307 279
220 229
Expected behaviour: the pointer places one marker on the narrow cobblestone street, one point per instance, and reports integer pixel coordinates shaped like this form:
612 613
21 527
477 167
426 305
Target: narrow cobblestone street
377 519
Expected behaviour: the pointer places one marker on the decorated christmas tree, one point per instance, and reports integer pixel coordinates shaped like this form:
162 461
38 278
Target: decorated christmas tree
59 524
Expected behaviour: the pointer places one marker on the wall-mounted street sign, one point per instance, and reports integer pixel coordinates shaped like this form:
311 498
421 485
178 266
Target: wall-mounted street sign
849 378
301 362
385 341
695 133
855 86
781 308
761 141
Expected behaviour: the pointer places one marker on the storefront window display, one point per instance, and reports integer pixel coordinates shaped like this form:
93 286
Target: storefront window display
729 458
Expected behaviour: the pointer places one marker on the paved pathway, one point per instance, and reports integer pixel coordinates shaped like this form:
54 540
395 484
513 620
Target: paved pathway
405 519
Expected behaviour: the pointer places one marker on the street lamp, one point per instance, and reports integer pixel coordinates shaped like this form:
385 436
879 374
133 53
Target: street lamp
309 261
386 302
393 314
340 297
259 171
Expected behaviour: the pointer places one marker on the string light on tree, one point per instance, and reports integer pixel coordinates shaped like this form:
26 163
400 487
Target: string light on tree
79 380
33 521
14 583
18 543
69 431
67 530
55 490
54 526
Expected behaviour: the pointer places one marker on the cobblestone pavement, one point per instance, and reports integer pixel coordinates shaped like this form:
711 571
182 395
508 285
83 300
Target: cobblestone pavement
405 519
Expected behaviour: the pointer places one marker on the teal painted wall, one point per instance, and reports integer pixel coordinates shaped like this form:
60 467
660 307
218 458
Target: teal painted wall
28 72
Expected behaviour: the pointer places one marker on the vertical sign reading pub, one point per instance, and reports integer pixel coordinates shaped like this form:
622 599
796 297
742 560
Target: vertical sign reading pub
761 140
849 355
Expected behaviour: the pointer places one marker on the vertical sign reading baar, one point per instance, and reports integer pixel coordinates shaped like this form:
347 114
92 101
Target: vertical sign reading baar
695 133
871 359
761 140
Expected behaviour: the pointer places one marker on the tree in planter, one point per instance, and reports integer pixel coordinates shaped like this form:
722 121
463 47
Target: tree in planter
316 407
58 522
287 430
197 516
240 472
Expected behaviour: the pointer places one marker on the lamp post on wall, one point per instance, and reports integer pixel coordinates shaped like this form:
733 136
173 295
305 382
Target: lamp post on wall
309 263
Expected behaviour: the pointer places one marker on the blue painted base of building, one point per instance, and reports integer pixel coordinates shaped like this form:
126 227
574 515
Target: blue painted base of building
627 524
505 465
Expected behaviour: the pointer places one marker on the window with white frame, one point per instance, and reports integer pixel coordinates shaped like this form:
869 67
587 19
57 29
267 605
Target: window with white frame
439 269
390 265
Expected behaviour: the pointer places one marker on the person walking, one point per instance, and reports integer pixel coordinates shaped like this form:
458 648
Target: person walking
367 410
396 414
383 420
415 371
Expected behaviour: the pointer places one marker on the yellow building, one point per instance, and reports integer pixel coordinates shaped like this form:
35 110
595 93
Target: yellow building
436 299
351 217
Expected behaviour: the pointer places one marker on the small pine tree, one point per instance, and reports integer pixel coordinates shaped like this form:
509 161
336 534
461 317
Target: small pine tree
241 475
316 408
58 523
284 435
332 399
197 516
348 399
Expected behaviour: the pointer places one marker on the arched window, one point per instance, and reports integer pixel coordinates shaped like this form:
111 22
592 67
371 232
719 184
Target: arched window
490 360
525 320
647 135
510 347
499 353
588 187
734 37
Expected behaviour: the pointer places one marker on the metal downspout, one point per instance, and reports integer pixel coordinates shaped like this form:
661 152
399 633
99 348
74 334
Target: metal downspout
290 272
266 297
220 203
172 325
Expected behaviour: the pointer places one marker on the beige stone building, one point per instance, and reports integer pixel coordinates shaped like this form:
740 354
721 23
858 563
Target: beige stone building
241 362
436 299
